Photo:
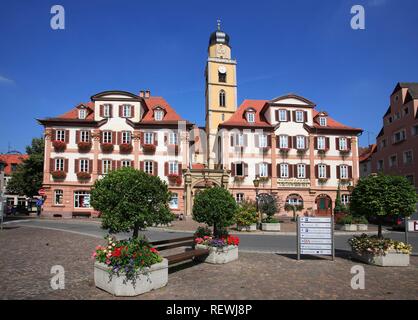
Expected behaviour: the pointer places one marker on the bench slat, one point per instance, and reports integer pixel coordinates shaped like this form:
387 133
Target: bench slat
175 245
156 243
186 255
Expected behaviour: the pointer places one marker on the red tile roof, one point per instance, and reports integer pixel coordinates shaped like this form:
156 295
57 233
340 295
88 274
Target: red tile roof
73 113
368 153
331 124
238 118
152 102
9 159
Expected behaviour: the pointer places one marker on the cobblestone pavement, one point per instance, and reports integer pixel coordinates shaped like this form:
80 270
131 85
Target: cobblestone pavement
27 255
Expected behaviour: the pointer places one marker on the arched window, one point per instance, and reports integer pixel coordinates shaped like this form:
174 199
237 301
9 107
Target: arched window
222 98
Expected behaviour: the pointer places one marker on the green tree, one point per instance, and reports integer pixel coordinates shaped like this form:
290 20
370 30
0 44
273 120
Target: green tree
338 205
246 213
383 195
28 177
267 204
130 200
216 207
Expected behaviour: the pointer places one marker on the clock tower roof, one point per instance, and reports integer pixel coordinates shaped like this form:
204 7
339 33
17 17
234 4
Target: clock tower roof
219 36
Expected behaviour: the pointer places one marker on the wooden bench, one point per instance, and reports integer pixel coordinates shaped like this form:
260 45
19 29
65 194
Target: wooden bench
177 243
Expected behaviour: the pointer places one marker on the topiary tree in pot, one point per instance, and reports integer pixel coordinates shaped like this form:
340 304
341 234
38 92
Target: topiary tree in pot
130 200
246 214
268 206
216 207
383 195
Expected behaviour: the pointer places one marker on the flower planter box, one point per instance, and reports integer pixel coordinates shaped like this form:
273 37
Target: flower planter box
59 146
347 227
106 147
252 227
84 146
150 279
148 148
362 227
391 259
125 148
218 255
270 226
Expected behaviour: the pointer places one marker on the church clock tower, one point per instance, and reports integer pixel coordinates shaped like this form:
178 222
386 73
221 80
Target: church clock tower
221 89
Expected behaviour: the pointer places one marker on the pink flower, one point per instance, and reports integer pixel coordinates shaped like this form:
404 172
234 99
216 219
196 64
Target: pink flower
94 255
107 261
198 240
98 248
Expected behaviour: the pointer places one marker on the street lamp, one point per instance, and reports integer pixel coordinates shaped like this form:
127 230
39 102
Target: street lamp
256 183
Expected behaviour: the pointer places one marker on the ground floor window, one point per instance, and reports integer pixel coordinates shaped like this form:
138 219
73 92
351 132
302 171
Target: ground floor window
294 199
239 197
345 199
148 167
174 201
81 199
58 196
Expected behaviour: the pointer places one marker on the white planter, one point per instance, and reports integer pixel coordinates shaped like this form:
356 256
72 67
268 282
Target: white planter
252 227
151 278
270 226
362 227
218 255
391 259
347 227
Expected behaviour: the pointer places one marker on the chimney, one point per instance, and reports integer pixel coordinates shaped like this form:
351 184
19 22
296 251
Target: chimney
147 94
141 93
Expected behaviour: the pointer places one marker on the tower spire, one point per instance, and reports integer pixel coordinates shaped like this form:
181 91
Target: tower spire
219 24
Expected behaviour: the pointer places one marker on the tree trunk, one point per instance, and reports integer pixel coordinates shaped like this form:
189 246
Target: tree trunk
215 230
379 230
136 231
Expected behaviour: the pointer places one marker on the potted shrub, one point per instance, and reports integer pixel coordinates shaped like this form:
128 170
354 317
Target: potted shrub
221 250
125 147
148 148
246 216
84 146
293 207
83 175
346 223
362 223
380 251
267 205
130 200
107 147
59 145
58 174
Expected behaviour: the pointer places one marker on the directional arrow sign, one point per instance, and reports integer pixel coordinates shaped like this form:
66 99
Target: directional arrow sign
316 246
319 241
315 230
319 252
312 219
315 225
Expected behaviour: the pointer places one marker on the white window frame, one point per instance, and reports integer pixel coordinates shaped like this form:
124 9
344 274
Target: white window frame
343 144
172 138
84 165
149 137
60 135
345 199
242 169
263 170
323 121
58 195
77 195
299 116
85 136
239 140
405 157
149 167
321 143
158 115
301 171
300 142
126 111
322 171
126 163
174 201
282 115
106 166
126 137
239 197
251 117
173 167
262 141
82 114
106 111
284 170
59 164
391 162
283 141
107 137
343 171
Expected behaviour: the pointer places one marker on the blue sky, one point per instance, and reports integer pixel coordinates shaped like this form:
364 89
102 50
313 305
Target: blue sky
305 47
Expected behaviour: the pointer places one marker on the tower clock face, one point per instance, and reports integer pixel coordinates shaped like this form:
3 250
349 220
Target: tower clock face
222 69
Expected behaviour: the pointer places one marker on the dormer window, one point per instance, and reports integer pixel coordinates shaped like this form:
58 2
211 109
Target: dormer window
323 121
282 115
158 115
126 111
82 114
251 117
107 111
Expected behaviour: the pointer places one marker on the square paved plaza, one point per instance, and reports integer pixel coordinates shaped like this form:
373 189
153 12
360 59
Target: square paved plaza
27 255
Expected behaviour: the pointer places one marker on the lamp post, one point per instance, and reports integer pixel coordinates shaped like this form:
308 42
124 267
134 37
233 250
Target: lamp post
256 183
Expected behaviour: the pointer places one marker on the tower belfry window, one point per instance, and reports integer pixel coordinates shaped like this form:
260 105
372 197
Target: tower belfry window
222 77
222 98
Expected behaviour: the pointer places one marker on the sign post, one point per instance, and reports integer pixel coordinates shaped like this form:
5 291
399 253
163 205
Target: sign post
315 236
